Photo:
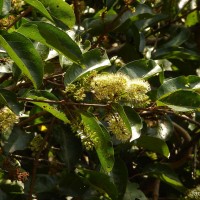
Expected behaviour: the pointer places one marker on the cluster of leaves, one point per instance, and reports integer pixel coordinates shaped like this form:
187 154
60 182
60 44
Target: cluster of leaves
78 119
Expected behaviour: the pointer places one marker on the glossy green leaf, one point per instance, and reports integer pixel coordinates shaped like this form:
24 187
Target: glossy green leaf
131 119
18 140
52 37
8 98
71 184
182 82
178 39
165 174
40 7
181 100
133 192
70 146
60 10
135 122
120 110
92 60
23 53
48 107
163 130
5 7
100 181
141 68
119 176
179 53
102 141
153 144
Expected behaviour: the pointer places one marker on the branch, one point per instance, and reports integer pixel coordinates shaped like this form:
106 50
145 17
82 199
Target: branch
109 27
36 161
22 123
63 102
22 14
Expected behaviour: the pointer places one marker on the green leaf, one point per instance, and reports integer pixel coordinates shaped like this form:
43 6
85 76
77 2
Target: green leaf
153 144
71 184
5 7
131 119
141 68
119 176
165 174
181 100
40 7
9 99
52 37
23 53
179 53
60 10
135 122
44 183
18 140
46 106
120 110
178 39
100 181
92 60
132 192
70 146
102 141
163 130
182 82
192 18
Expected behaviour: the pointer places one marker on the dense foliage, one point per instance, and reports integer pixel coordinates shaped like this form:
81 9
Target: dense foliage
99 99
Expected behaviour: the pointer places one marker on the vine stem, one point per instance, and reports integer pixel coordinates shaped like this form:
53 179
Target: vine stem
37 160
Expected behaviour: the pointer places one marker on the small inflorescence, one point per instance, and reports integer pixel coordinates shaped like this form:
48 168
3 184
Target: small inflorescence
36 144
193 194
118 128
7 120
17 4
88 137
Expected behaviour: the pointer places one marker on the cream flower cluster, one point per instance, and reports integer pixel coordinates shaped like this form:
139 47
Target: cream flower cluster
117 126
17 4
7 120
119 87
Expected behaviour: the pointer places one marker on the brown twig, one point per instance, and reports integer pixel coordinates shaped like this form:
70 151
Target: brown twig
109 27
156 189
22 14
36 161
31 118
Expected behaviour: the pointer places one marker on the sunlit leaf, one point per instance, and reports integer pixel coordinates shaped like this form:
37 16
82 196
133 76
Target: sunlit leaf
92 60
181 100
182 82
60 10
23 53
102 141
40 7
153 144
52 37
141 68
165 174
48 107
